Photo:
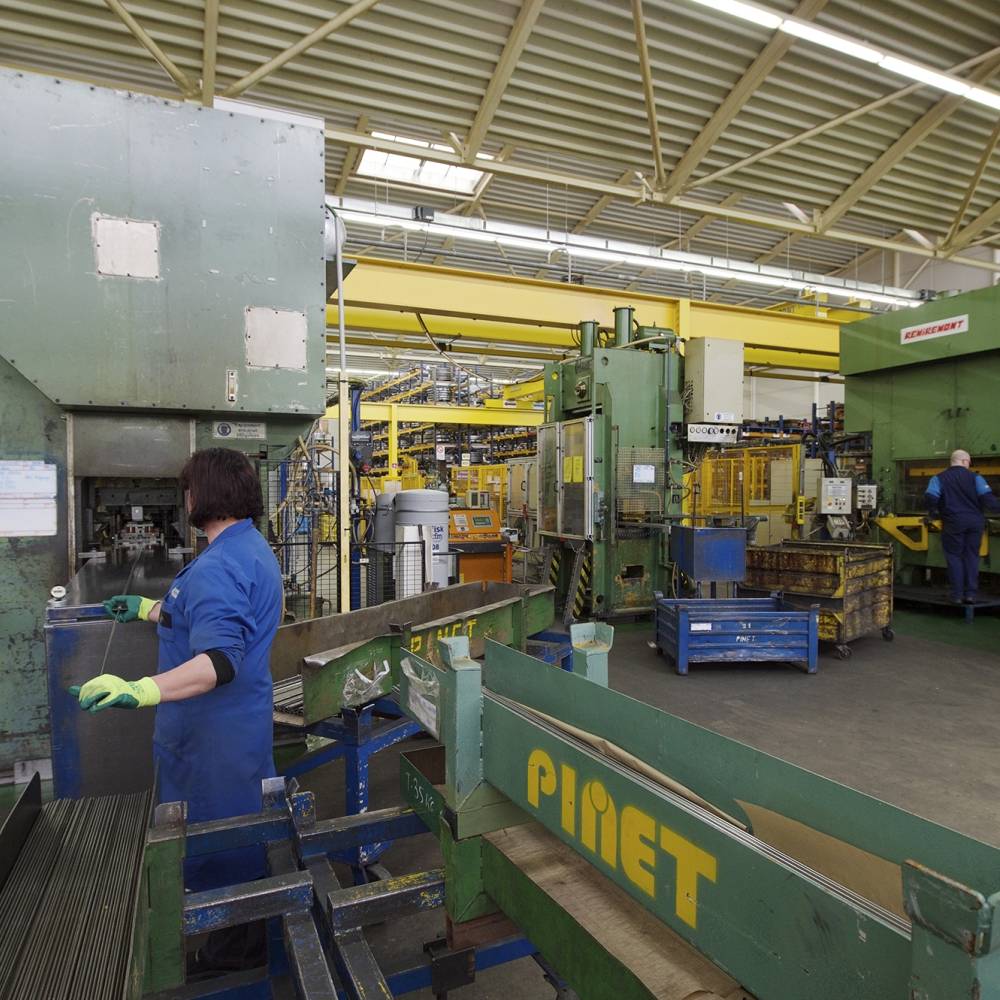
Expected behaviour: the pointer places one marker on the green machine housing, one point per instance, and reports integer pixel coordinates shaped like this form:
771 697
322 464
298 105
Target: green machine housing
924 382
610 467
162 289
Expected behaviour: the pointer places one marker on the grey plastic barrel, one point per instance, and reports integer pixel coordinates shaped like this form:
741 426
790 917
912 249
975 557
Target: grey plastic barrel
384 530
382 550
426 509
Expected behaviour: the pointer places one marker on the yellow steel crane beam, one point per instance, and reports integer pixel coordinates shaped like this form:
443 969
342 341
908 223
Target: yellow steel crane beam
476 311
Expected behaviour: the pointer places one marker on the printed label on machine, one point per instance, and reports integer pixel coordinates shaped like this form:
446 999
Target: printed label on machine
239 430
701 626
27 499
931 331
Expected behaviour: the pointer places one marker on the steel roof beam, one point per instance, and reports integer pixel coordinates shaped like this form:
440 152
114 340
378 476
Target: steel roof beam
984 159
318 35
912 137
351 159
143 37
769 57
474 204
649 94
832 123
974 228
689 234
600 205
516 40
640 194
209 52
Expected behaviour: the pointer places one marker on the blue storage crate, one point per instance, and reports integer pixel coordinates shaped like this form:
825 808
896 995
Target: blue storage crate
743 630
709 555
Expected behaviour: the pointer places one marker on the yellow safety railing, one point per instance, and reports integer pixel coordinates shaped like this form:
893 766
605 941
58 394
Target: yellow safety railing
747 482
491 479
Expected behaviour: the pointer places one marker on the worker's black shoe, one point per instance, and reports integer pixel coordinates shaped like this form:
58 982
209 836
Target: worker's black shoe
231 949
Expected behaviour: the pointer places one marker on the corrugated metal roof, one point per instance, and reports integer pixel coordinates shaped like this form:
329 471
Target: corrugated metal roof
573 106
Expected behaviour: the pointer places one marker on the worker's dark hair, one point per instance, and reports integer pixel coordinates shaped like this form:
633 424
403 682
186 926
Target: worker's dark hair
223 483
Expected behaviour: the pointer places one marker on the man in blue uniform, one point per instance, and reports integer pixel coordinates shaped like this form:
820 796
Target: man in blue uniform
213 739
959 497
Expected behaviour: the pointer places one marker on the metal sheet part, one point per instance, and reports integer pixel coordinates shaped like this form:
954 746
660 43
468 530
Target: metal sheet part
76 640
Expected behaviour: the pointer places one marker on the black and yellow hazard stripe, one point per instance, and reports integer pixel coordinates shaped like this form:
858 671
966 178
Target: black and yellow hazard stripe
555 563
583 585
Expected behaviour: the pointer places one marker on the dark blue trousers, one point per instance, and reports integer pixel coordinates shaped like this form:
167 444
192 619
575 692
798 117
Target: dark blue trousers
961 551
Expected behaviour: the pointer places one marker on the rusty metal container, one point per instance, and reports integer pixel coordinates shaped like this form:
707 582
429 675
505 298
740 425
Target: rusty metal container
850 581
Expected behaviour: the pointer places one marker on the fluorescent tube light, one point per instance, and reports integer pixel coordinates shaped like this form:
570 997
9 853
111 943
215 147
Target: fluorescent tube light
831 41
746 11
988 97
635 255
924 75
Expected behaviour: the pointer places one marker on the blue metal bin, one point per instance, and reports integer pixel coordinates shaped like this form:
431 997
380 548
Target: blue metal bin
709 555
743 630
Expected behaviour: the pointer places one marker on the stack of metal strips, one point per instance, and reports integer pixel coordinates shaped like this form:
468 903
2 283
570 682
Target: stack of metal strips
288 696
68 906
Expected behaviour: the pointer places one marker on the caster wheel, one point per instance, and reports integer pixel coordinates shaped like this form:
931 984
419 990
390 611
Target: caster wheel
888 634
843 652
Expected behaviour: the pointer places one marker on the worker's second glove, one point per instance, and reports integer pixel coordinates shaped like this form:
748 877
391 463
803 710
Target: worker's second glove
129 608
110 691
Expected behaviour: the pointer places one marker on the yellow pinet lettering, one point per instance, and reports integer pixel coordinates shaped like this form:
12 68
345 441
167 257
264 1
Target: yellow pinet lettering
629 834
691 861
541 776
596 802
568 784
639 849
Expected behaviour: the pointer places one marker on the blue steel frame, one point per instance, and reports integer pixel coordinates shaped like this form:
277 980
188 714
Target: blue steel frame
357 739
293 818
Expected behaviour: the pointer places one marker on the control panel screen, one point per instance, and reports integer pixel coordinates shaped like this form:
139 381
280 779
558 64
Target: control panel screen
482 521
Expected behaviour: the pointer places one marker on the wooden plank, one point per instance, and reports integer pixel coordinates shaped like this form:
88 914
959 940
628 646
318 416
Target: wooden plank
618 948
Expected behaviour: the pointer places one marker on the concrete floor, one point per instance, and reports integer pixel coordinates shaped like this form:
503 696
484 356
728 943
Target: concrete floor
912 722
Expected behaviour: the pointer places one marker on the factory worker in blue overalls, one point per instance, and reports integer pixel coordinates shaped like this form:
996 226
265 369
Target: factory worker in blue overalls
213 740
960 498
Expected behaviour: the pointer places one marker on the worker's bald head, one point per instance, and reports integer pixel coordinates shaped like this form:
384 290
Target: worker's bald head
960 457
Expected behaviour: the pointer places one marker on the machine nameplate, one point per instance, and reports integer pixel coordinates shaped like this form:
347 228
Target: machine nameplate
931 331
240 430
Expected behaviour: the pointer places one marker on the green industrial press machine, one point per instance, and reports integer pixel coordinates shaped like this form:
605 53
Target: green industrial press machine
162 289
923 382
610 467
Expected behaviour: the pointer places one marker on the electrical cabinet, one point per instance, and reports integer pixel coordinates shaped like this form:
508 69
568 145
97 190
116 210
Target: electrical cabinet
713 381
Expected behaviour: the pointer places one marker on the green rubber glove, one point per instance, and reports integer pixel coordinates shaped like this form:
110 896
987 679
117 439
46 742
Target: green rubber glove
109 691
129 608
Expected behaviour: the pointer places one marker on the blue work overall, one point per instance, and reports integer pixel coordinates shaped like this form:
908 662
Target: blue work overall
213 750
960 496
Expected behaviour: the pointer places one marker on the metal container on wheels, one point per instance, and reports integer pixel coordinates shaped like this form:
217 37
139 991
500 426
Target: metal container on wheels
850 581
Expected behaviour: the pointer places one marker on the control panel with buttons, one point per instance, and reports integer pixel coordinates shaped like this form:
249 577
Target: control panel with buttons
713 433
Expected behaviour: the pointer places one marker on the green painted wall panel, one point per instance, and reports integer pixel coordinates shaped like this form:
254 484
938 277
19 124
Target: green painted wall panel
239 204
31 427
875 343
